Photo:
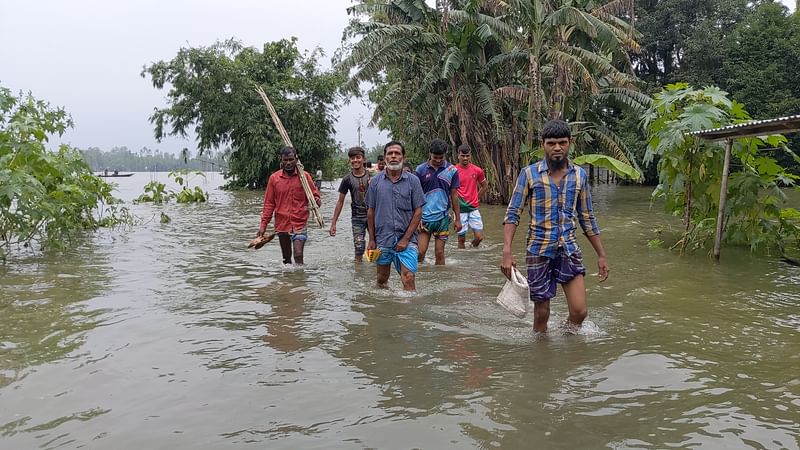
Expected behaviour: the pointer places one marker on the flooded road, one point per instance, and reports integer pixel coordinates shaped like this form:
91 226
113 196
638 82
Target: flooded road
177 336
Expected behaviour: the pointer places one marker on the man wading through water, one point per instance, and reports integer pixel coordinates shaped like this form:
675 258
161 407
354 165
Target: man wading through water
556 192
356 182
473 184
439 181
394 202
286 198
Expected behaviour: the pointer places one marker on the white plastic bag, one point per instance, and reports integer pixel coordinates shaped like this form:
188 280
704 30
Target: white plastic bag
515 295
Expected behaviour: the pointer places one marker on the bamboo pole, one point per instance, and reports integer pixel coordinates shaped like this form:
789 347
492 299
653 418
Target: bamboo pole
723 194
312 204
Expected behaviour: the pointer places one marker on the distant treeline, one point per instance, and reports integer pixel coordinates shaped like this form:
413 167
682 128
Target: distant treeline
147 160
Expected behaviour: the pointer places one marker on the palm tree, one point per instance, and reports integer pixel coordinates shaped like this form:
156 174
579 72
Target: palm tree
486 72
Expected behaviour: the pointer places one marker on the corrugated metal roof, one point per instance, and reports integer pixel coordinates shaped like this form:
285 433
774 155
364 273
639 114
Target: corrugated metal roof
753 128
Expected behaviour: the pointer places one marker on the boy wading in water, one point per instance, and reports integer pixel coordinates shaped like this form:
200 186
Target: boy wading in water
472 185
356 182
286 198
394 202
439 181
557 192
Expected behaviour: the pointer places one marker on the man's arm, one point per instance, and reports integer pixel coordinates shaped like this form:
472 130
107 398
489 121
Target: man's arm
314 190
456 205
416 218
267 209
371 229
602 261
507 262
511 220
336 212
482 187
588 223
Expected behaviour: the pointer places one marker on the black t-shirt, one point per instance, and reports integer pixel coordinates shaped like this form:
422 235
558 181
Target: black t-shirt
357 186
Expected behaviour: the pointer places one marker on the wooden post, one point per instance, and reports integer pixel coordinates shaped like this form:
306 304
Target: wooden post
723 195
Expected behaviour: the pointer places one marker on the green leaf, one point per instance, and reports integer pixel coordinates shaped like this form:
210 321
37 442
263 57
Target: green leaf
607 162
700 116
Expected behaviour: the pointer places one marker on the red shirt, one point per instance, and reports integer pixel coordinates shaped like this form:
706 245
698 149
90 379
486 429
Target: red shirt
470 177
285 197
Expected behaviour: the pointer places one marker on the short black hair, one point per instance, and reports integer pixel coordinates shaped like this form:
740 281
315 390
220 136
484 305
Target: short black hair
355 151
464 149
397 143
380 158
286 151
555 129
439 147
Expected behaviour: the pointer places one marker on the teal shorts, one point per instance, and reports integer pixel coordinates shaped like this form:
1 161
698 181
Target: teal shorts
406 258
439 229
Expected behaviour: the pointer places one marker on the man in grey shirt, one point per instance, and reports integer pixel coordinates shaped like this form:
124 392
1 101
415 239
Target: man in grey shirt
394 202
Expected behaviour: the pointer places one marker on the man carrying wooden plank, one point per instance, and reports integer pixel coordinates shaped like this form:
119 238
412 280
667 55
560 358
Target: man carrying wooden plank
286 199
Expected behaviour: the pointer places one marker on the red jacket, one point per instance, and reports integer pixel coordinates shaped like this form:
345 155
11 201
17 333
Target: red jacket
285 197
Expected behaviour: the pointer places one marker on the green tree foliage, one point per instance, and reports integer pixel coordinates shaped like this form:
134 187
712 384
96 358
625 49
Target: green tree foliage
690 172
676 35
759 67
211 91
46 197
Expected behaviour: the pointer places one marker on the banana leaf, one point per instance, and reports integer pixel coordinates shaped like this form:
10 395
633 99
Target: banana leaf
618 167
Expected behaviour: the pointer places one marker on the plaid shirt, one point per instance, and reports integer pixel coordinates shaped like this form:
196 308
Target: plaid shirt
552 208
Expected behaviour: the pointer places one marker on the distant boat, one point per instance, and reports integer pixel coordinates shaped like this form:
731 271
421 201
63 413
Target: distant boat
113 174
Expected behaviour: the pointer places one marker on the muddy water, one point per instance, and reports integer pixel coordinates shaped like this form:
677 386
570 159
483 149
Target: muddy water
176 336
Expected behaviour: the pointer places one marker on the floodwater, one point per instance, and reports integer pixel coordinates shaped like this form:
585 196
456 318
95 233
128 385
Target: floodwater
177 336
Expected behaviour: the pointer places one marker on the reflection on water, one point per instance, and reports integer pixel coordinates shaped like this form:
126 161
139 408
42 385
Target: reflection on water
177 336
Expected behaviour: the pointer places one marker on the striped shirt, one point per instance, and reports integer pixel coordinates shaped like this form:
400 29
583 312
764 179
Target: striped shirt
553 208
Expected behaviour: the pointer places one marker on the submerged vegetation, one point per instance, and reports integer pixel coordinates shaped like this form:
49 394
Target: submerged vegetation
156 191
47 197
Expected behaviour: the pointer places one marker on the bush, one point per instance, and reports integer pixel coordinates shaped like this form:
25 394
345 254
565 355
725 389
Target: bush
46 197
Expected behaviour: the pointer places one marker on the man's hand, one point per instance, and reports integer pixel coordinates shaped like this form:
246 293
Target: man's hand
260 232
458 225
401 245
332 231
602 268
372 245
507 263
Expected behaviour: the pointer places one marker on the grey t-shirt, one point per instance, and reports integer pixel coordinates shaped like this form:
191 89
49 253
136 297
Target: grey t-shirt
357 186
394 204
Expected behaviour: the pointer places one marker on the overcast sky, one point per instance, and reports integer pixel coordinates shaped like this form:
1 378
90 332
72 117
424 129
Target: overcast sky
86 55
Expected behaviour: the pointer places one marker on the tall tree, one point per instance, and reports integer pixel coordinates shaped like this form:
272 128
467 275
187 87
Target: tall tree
212 90
677 34
760 61
463 70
